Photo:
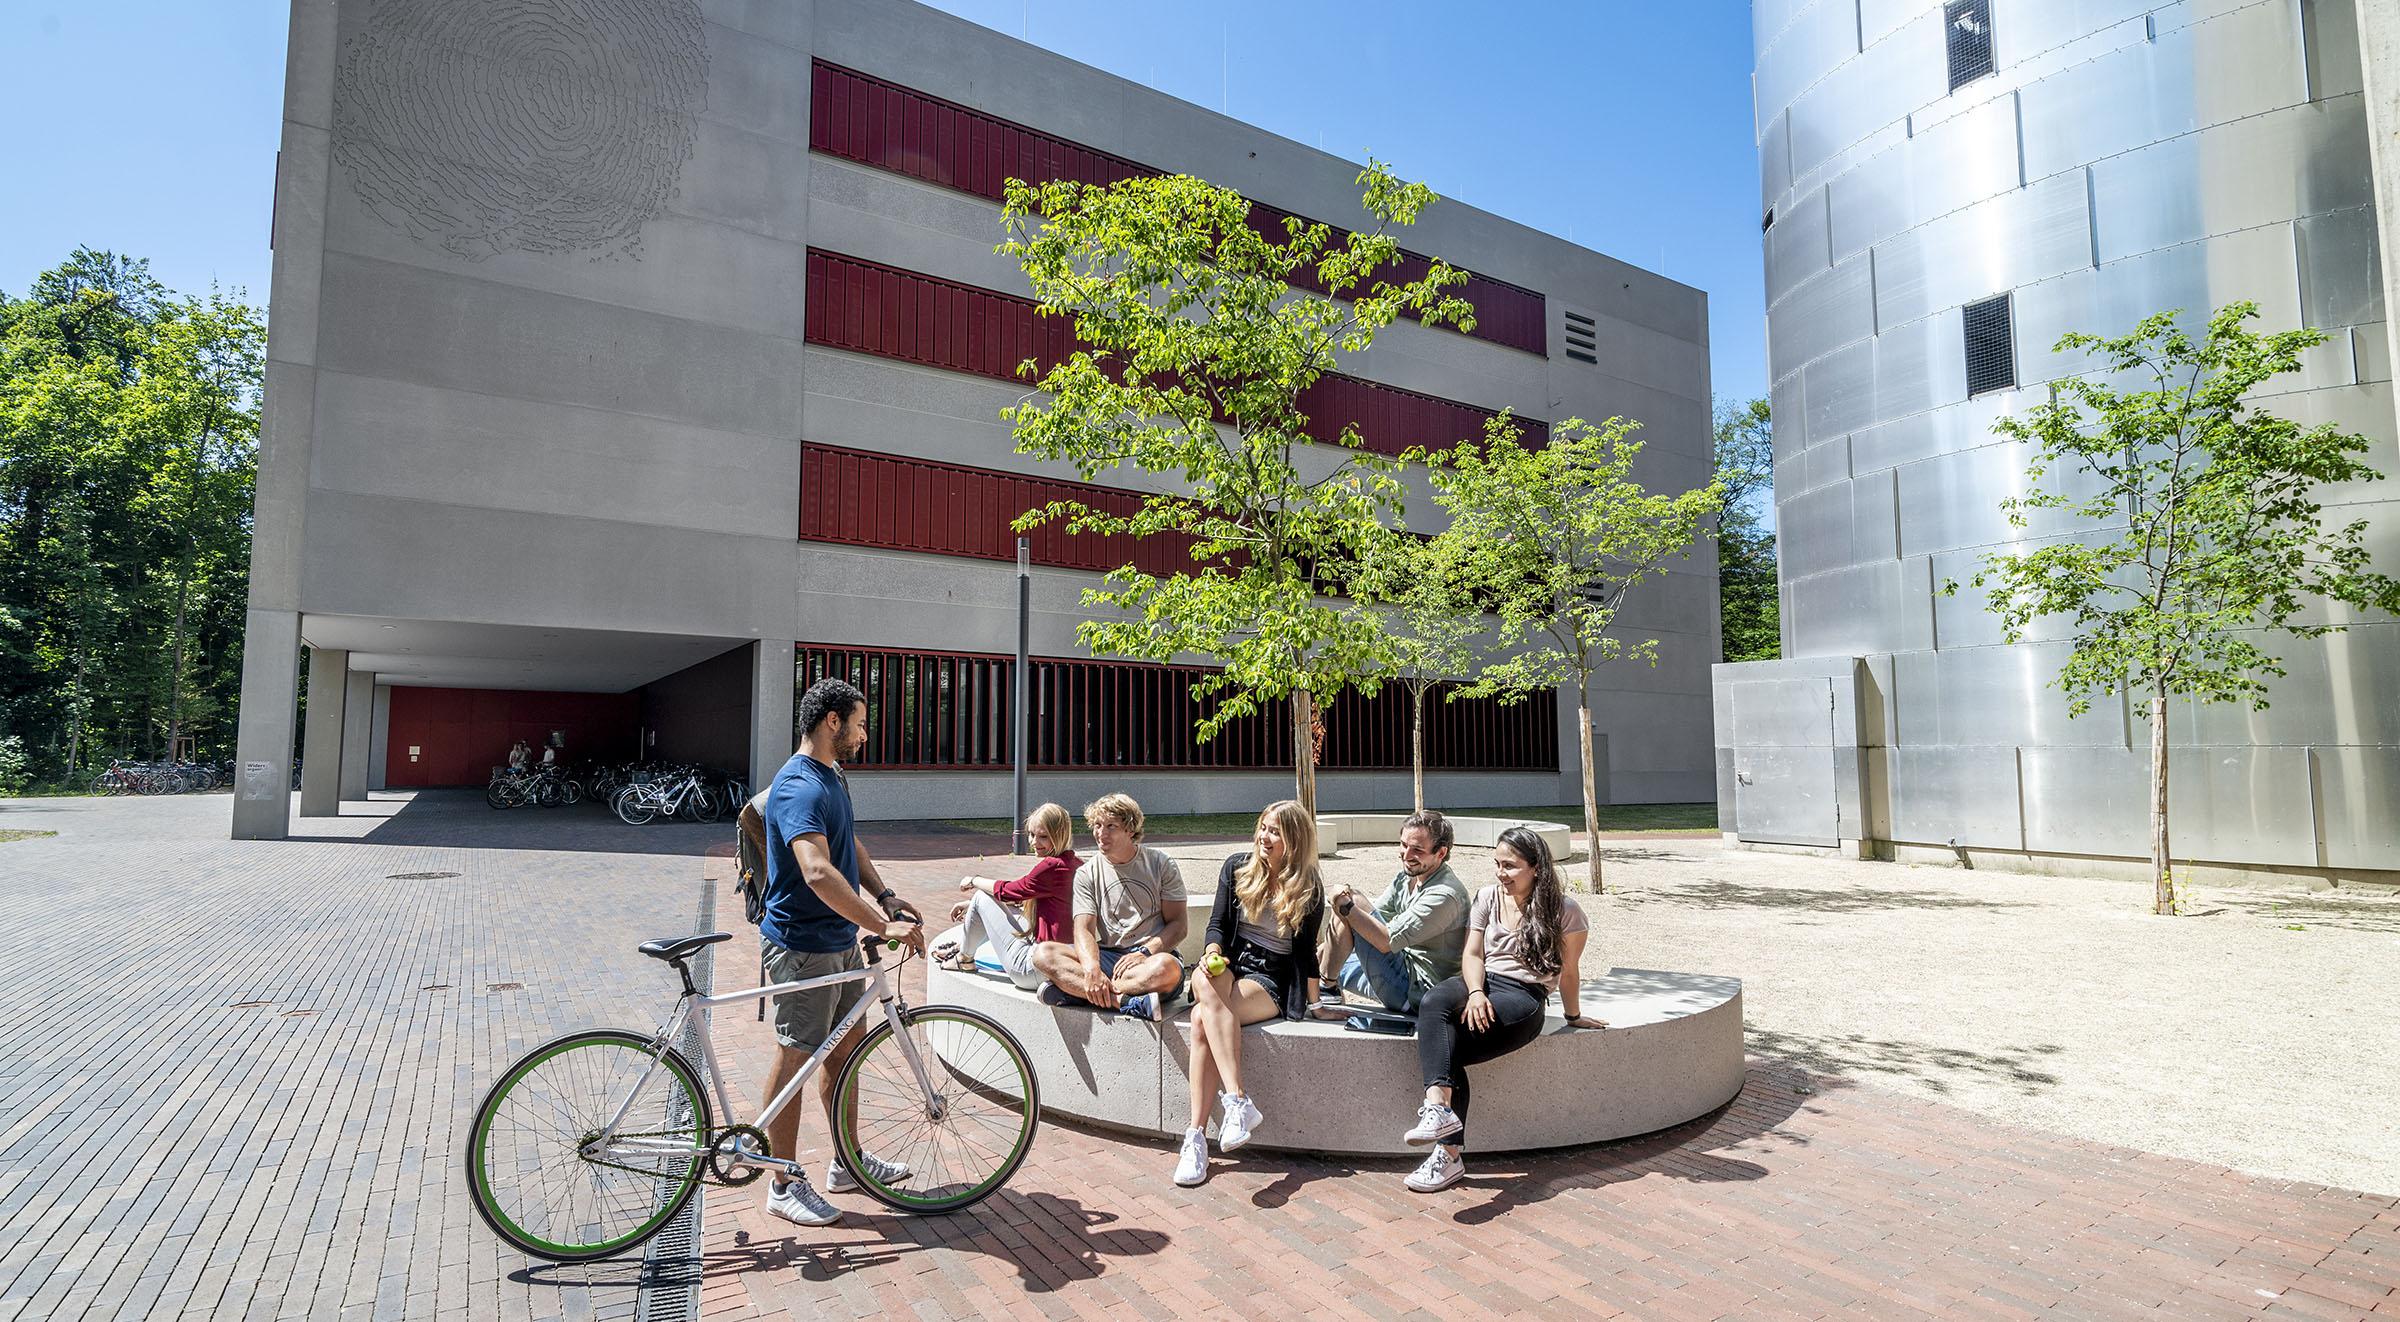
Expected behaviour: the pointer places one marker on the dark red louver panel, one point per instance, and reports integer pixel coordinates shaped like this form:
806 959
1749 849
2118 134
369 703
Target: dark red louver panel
949 710
862 118
867 307
861 499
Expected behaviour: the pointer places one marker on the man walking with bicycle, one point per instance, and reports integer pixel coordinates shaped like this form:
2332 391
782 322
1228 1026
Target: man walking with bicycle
812 926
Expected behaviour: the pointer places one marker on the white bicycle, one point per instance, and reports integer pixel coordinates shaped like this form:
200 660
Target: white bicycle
592 1142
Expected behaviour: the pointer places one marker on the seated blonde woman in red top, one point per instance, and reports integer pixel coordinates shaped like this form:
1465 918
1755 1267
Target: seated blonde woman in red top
989 909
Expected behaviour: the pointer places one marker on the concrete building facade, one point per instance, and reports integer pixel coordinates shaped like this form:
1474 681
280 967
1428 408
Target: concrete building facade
1949 188
632 360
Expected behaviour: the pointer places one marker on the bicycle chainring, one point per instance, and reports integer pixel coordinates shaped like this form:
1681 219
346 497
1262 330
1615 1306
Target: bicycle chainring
723 1160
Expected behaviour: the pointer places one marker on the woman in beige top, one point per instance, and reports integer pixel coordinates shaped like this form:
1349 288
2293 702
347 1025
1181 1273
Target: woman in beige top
1523 934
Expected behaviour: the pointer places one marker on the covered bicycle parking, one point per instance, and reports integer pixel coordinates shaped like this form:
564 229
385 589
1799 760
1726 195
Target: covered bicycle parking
402 704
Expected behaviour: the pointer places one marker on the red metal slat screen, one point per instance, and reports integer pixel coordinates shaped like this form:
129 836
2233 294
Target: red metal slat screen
932 711
868 307
861 118
951 509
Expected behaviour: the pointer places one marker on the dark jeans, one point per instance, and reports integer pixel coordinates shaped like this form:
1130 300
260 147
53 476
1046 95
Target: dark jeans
1446 1046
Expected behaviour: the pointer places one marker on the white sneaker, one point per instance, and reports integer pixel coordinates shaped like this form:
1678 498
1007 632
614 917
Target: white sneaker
1191 1168
1241 1116
1440 1171
838 1178
1435 1122
797 1201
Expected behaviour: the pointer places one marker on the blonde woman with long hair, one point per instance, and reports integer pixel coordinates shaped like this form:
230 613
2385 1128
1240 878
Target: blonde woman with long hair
1263 929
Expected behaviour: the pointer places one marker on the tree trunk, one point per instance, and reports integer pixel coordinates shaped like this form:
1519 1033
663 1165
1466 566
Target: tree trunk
1304 753
1591 785
183 594
1416 739
2164 901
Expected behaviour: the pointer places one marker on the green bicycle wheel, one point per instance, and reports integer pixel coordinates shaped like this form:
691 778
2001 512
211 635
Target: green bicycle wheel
528 1173
957 1147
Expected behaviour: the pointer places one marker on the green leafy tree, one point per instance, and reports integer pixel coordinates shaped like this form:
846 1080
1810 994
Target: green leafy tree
1438 632
1195 352
1562 536
1746 595
2217 538
128 428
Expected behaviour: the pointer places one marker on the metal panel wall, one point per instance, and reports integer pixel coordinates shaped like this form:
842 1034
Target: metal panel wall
2125 158
862 118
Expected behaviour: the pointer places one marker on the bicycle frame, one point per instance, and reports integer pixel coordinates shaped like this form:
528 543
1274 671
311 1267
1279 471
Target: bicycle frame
883 995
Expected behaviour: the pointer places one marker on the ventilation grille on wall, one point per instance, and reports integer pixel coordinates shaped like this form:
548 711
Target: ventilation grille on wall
1991 346
1969 25
1583 338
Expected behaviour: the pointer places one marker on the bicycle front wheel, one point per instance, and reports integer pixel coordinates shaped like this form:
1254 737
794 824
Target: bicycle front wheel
961 1143
633 808
531 1172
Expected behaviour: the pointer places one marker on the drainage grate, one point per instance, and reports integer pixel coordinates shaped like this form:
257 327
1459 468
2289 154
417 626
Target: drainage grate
670 1289
418 876
503 986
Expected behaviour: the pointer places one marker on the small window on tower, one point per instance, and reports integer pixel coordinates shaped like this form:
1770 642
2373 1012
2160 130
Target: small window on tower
1991 346
1968 26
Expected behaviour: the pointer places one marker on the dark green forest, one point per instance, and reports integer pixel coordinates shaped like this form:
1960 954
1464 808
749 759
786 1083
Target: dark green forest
128 454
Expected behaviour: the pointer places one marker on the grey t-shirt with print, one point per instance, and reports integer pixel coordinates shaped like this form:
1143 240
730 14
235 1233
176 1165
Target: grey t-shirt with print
1127 899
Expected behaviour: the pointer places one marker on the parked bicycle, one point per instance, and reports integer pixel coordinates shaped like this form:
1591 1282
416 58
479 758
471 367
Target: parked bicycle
124 776
592 1142
689 793
543 787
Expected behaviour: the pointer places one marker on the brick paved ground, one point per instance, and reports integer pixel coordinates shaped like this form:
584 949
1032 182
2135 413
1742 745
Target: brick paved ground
255 1061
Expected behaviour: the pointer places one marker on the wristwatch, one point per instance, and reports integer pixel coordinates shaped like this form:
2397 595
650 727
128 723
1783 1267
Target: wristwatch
1345 906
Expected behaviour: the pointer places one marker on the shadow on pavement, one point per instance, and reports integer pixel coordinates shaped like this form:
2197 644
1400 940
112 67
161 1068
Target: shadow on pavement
1695 1150
1847 899
1842 1057
1061 1222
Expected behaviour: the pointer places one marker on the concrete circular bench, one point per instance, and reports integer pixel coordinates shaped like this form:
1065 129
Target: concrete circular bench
1672 1052
1383 828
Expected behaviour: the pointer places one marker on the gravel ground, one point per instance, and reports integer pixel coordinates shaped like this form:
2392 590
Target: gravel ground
2260 1033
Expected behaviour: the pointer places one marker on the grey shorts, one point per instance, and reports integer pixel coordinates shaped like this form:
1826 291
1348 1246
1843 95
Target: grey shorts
804 1018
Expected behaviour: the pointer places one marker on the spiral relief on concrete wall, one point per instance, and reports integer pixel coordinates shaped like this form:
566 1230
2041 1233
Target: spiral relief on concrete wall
486 126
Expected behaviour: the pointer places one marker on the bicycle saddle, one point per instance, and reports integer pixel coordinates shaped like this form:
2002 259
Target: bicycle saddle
673 948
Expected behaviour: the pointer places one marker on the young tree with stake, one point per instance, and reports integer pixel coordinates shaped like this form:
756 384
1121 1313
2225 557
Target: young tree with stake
1195 352
2222 539
1560 538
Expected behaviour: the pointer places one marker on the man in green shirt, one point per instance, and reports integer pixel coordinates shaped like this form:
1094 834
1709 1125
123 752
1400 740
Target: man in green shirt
1411 939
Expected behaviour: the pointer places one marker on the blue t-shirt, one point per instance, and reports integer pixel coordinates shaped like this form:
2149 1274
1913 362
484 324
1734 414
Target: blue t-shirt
808 798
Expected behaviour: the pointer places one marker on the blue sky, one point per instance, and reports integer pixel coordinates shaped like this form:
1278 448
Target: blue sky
150 126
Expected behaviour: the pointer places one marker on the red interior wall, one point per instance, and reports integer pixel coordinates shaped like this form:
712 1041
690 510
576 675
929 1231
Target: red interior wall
461 734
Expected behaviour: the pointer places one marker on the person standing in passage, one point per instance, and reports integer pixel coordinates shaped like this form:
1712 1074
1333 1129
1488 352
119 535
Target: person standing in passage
1523 934
811 925
1270 903
1049 885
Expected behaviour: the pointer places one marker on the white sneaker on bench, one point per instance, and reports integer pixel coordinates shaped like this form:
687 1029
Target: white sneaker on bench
1435 1122
1241 1116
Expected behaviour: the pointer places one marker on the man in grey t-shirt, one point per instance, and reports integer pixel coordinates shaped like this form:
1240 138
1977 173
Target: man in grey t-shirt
1129 912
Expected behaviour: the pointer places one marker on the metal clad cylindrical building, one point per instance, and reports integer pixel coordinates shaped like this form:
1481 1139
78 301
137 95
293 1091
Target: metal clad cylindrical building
1949 188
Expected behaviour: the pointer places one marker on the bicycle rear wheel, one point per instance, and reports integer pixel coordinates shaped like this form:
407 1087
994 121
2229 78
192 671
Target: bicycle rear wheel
960 1146
527 1172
